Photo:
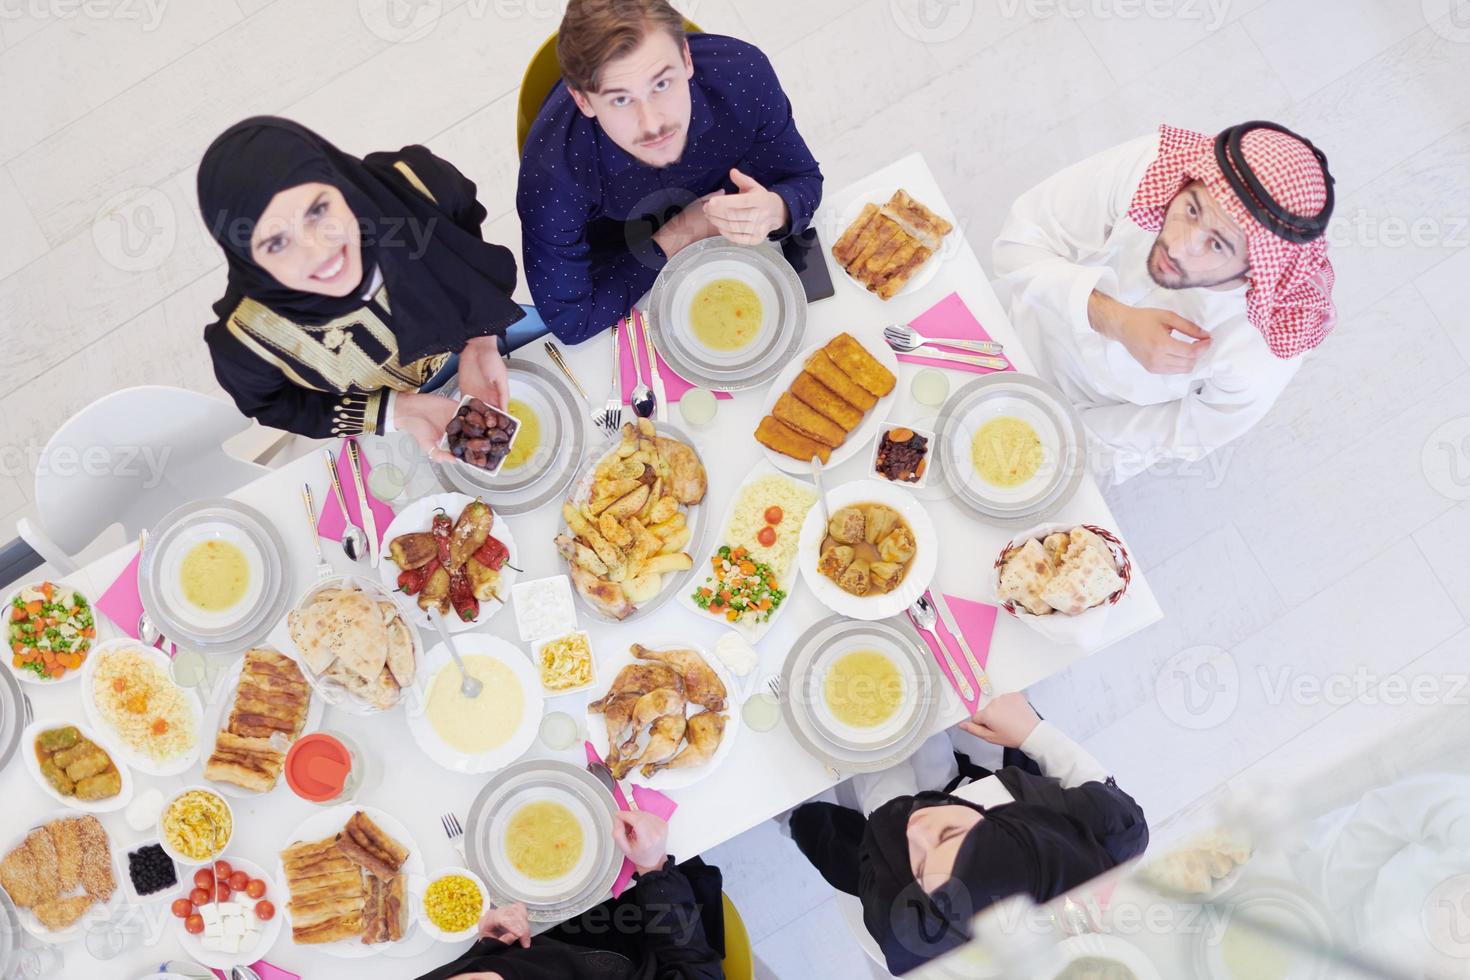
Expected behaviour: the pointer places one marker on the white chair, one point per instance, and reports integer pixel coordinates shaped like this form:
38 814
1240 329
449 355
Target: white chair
852 913
129 458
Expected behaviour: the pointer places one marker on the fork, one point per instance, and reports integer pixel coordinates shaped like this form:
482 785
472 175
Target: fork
612 412
454 832
903 337
775 688
323 567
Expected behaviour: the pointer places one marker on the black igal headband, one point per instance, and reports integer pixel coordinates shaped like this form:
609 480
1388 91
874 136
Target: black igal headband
1296 228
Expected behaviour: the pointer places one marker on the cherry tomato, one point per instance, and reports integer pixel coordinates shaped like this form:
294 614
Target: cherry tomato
183 908
265 911
255 888
194 925
238 881
774 514
199 896
222 870
222 892
204 878
766 536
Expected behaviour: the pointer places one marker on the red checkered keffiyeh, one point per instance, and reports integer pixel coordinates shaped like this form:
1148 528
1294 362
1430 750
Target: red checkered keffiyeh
1290 294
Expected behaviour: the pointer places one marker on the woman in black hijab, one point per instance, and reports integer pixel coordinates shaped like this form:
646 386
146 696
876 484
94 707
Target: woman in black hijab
924 864
353 284
668 926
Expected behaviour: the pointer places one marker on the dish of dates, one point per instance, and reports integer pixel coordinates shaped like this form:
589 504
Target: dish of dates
903 456
480 435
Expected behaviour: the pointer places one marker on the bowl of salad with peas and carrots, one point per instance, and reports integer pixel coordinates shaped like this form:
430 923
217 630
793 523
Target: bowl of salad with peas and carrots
50 629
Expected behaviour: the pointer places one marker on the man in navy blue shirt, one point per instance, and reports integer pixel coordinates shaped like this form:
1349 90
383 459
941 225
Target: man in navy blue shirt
652 141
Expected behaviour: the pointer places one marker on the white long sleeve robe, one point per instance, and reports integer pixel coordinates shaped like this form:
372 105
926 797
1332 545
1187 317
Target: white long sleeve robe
1071 234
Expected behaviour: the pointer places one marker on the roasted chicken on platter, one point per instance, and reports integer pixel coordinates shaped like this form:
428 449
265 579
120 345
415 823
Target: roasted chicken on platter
646 712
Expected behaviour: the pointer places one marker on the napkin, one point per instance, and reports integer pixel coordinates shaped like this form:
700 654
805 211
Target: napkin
649 801
331 524
266 971
634 358
121 602
950 318
977 621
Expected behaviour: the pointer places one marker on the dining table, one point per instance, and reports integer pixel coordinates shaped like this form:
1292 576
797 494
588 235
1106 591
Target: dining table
765 774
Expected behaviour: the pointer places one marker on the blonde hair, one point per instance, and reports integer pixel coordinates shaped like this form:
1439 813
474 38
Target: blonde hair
595 32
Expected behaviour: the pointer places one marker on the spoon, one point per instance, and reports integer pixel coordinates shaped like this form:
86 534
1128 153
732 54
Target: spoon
469 686
923 615
821 493
147 632
643 400
243 973
354 539
610 783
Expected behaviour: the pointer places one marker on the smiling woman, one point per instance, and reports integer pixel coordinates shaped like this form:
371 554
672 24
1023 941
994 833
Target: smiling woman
353 283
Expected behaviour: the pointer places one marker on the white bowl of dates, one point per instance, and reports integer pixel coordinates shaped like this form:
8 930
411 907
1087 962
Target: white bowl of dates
902 455
480 435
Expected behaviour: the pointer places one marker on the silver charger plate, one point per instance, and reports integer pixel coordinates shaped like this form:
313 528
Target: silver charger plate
12 718
10 937
251 625
1058 425
564 442
804 723
557 777
783 302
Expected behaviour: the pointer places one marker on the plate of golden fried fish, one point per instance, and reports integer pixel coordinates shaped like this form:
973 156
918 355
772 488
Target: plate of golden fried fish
829 402
347 873
887 247
668 717
56 871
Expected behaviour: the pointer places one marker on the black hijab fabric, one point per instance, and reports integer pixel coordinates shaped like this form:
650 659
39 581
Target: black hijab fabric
1018 848
443 280
544 960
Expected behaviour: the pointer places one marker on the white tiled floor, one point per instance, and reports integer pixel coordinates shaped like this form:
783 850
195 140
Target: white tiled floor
1331 537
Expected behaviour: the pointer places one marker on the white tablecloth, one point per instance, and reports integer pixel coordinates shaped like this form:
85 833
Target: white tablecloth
765 773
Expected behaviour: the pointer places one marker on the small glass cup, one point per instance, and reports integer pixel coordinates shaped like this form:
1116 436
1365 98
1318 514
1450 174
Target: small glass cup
559 731
761 712
33 961
698 406
386 482
930 387
109 938
188 669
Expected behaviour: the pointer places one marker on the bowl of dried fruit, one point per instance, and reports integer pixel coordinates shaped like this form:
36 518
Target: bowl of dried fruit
902 455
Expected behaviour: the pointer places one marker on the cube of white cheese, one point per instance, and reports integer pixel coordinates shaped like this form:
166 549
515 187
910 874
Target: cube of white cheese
210 915
234 929
213 943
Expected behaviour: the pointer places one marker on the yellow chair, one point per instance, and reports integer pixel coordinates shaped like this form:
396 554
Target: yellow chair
541 77
739 959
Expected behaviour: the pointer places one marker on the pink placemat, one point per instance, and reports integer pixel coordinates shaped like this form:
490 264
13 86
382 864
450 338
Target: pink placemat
121 602
636 352
977 621
649 801
331 525
266 971
950 319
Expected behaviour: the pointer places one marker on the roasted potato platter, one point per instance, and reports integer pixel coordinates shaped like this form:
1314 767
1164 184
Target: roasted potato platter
630 522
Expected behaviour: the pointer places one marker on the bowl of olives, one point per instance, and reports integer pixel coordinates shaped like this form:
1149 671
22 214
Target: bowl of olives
480 435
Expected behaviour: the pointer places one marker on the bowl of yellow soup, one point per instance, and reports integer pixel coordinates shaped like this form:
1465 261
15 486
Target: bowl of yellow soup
478 734
213 574
863 692
545 839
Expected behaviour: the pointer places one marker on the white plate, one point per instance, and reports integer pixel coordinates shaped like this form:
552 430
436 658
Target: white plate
846 208
961 437
531 888
269 932
1104 947
878 736
788 580
28 677
133 757
438 659
120 854
921 567
179 857
77 929
427 924
872 340
1281 906
704 274
33 766
418 516
218 714
669 779
171 564
325 823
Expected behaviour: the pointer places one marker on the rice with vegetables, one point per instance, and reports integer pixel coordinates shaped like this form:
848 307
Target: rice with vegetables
750 517
146 709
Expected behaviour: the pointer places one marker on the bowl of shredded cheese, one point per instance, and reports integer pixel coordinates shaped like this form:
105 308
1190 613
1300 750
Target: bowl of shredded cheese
565 663
196 826
452 905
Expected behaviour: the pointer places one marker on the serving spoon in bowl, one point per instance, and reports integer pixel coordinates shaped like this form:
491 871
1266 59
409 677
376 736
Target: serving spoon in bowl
469 686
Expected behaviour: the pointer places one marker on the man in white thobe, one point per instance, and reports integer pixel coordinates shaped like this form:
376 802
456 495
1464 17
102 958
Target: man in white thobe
1171 286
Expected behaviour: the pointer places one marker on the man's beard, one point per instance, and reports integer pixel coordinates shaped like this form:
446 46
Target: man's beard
1183 281
649 137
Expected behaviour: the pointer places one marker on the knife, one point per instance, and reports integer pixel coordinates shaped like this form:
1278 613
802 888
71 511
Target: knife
954 668
655 378
369 520
947 618
994 363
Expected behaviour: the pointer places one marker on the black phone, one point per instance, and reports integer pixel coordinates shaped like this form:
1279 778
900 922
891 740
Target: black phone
804 253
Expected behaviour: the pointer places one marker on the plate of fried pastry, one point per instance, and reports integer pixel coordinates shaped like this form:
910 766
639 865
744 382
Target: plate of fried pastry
271 706
829 401
346 872
56 871
887 247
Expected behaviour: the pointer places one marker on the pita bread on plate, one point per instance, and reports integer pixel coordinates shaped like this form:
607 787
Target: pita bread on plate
1024 576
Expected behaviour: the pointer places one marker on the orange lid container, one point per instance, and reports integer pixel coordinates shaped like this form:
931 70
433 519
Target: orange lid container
317 767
